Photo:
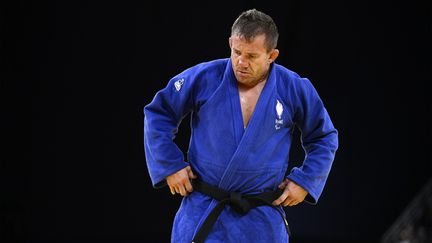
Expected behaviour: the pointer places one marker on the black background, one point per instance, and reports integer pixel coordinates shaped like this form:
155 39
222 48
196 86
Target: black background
77 75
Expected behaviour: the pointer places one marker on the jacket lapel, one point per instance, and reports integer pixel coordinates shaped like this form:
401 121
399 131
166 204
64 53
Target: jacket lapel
244 136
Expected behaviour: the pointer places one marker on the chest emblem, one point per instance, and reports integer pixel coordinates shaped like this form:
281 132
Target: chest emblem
279 111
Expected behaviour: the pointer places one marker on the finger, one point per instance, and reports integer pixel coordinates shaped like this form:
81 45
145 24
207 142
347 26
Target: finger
177 189
295 203
188 186
292 203
283 184
172 190
280 199
182 190
288 202
191 174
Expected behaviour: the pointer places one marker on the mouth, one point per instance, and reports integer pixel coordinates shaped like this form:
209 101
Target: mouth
242 73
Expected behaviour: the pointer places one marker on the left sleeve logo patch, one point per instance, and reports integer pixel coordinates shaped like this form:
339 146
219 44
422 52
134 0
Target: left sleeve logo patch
178 84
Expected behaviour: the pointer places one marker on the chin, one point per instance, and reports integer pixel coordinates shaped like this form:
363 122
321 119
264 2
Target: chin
242 80
246 82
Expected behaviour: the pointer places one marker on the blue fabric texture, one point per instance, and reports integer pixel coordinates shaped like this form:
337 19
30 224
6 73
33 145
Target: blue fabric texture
225 154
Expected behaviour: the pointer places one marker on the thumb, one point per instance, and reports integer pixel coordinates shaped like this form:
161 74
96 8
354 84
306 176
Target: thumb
190 173
283 184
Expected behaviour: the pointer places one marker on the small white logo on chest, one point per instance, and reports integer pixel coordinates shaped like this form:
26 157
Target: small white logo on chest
178 84
279 111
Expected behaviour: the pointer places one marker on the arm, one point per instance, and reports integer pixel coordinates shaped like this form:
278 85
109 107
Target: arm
162 117
319 140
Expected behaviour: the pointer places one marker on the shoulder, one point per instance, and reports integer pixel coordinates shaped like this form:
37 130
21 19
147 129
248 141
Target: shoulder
290 79
213 68
203 77
293 86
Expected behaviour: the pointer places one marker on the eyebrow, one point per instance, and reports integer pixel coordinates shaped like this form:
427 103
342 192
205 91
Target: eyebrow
249 53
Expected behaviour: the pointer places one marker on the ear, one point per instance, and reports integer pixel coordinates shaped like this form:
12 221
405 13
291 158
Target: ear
230 42
273 55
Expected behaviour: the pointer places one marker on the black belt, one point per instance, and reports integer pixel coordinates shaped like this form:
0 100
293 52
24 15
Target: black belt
240 203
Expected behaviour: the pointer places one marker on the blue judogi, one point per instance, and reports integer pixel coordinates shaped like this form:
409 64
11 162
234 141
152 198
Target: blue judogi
225 154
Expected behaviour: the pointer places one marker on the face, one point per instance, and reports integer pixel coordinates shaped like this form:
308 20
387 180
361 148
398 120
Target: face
251 60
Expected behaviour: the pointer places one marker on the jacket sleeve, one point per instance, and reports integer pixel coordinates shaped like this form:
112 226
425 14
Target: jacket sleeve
319 139
162 116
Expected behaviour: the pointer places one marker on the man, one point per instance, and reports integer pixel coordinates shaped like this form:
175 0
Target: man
243 113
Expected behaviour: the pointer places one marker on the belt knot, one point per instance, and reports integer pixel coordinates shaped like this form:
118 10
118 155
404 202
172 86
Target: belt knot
240 204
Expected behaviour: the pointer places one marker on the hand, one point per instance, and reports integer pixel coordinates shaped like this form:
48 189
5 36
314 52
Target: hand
292 195
179 182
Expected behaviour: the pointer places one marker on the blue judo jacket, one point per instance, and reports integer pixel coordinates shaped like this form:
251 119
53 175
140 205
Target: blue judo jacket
224 154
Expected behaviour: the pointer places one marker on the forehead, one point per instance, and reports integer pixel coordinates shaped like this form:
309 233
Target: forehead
257 44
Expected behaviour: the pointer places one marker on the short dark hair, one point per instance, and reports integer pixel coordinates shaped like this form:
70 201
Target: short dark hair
252 23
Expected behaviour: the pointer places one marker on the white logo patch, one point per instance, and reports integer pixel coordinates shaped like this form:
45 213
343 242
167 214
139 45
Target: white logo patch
279 111
178 84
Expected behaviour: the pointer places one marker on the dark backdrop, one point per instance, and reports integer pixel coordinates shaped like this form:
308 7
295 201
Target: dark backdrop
77 75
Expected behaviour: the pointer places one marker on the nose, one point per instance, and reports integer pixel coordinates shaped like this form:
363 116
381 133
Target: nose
242 62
